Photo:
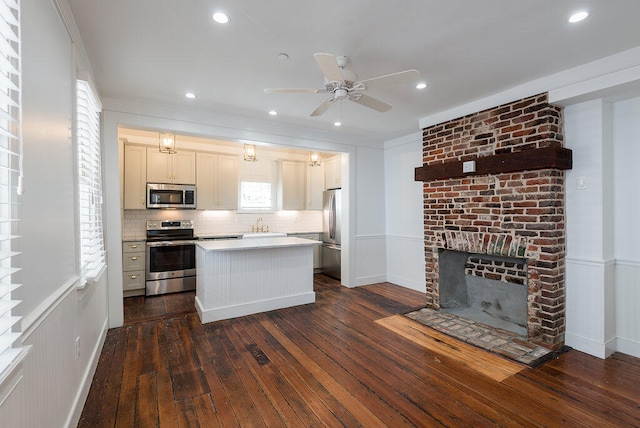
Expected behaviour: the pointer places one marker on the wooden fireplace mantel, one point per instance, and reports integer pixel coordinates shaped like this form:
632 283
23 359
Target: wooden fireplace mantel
526 160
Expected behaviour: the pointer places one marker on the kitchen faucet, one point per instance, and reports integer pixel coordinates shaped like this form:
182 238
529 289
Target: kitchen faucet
258 227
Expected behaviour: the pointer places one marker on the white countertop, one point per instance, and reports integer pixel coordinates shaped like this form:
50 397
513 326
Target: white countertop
251 244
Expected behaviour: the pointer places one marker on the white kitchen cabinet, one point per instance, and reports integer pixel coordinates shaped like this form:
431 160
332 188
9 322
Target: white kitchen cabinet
291 185
315 186
217 181
176 168
135 177
133 268
317 261
333 173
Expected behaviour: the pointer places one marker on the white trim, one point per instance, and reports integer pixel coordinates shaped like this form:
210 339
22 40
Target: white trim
33 320
407 238
12 374
628 347
368 280
590 346
94 279
371 236
87 378
404 140
629 263
217 314
590 262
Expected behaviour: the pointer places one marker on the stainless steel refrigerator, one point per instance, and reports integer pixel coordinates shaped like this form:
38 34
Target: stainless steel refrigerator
331 232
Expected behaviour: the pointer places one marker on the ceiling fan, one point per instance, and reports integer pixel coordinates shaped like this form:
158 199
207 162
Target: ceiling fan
342 84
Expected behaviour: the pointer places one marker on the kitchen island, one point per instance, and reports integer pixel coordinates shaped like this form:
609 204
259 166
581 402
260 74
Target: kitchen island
246 276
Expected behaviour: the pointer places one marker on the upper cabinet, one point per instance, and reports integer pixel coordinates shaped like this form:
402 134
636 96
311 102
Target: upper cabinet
217 181
333 173
315 186
291 185
178 168
135 177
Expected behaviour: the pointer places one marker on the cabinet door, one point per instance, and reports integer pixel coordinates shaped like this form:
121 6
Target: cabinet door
293 183
135 177
184 167
227 182
315 186
206 181
332 171
158 166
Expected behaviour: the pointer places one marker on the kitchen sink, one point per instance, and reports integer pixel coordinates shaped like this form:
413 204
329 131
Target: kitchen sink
263 235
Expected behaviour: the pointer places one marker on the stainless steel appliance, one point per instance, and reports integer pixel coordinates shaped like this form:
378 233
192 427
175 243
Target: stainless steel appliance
182 196
331 232
171 257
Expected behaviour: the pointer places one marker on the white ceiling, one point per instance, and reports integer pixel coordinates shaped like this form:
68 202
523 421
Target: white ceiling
157 50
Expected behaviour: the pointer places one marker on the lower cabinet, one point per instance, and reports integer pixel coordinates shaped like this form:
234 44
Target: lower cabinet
133 268
317 262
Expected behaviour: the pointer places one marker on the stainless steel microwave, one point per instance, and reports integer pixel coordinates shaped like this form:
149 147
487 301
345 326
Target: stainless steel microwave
180 196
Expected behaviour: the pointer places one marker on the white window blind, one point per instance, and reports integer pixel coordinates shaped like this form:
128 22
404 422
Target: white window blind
92 253
10 147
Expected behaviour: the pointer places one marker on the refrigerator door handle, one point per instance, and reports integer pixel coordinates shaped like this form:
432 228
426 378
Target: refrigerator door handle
331 246
332 217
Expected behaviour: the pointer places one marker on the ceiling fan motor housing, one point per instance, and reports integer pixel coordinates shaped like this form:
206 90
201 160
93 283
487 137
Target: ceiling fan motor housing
340 94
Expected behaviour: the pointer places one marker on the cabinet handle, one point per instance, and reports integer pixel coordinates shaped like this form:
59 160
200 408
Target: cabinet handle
134 258
133 246
133 276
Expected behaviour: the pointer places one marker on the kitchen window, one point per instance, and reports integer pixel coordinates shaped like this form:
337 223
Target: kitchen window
92 253
256 195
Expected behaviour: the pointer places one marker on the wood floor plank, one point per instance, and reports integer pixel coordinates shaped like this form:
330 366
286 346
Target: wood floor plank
490 365
335 363
147 403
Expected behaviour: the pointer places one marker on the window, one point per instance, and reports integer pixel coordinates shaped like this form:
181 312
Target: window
10 167
92 253
256 195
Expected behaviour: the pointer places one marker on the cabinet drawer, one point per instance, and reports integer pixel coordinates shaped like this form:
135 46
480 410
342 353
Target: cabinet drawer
133 247
133 280
133 261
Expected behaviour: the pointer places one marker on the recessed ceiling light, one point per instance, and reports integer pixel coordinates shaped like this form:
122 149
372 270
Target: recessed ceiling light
421 85
337 123
190 95
221 18
578 16
283 56
273 112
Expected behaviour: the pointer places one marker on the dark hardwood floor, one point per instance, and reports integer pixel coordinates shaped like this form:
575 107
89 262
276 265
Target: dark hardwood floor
347 360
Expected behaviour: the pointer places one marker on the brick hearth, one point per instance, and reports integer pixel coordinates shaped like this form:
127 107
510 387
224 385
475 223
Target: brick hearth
517 214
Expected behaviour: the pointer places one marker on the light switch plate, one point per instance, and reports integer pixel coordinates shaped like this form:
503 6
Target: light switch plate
581 182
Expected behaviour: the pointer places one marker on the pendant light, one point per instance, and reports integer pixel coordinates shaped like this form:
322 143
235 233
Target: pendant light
250 153
166 143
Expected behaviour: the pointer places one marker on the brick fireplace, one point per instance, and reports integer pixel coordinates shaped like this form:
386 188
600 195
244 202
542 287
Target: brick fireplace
508 201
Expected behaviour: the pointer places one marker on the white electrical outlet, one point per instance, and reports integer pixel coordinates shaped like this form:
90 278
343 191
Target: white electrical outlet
77 347
581 182
469 166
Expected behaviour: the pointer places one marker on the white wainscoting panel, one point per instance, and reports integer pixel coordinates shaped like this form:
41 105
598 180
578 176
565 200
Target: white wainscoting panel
627 296
371 259
55 383
405 262
590 308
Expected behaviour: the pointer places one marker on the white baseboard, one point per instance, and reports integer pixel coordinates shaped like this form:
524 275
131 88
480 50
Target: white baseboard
217 314
407 283
590 346
627 347
368 280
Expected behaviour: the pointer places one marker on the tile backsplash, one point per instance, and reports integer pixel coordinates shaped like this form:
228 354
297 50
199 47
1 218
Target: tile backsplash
216 222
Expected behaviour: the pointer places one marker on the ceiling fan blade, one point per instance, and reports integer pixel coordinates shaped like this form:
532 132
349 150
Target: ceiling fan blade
371 102
329 67
406 76
323 107
291 90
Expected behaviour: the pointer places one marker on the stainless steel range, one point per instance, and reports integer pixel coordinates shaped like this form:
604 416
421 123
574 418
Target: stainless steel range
171 257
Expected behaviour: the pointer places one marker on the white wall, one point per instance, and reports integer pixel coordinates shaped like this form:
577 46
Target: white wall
590 263
626 175
370 243
54 382
404 213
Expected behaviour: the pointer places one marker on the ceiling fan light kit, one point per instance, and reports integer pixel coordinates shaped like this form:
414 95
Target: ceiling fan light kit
342 84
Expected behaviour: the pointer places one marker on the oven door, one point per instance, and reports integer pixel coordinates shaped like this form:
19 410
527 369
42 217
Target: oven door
170 259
